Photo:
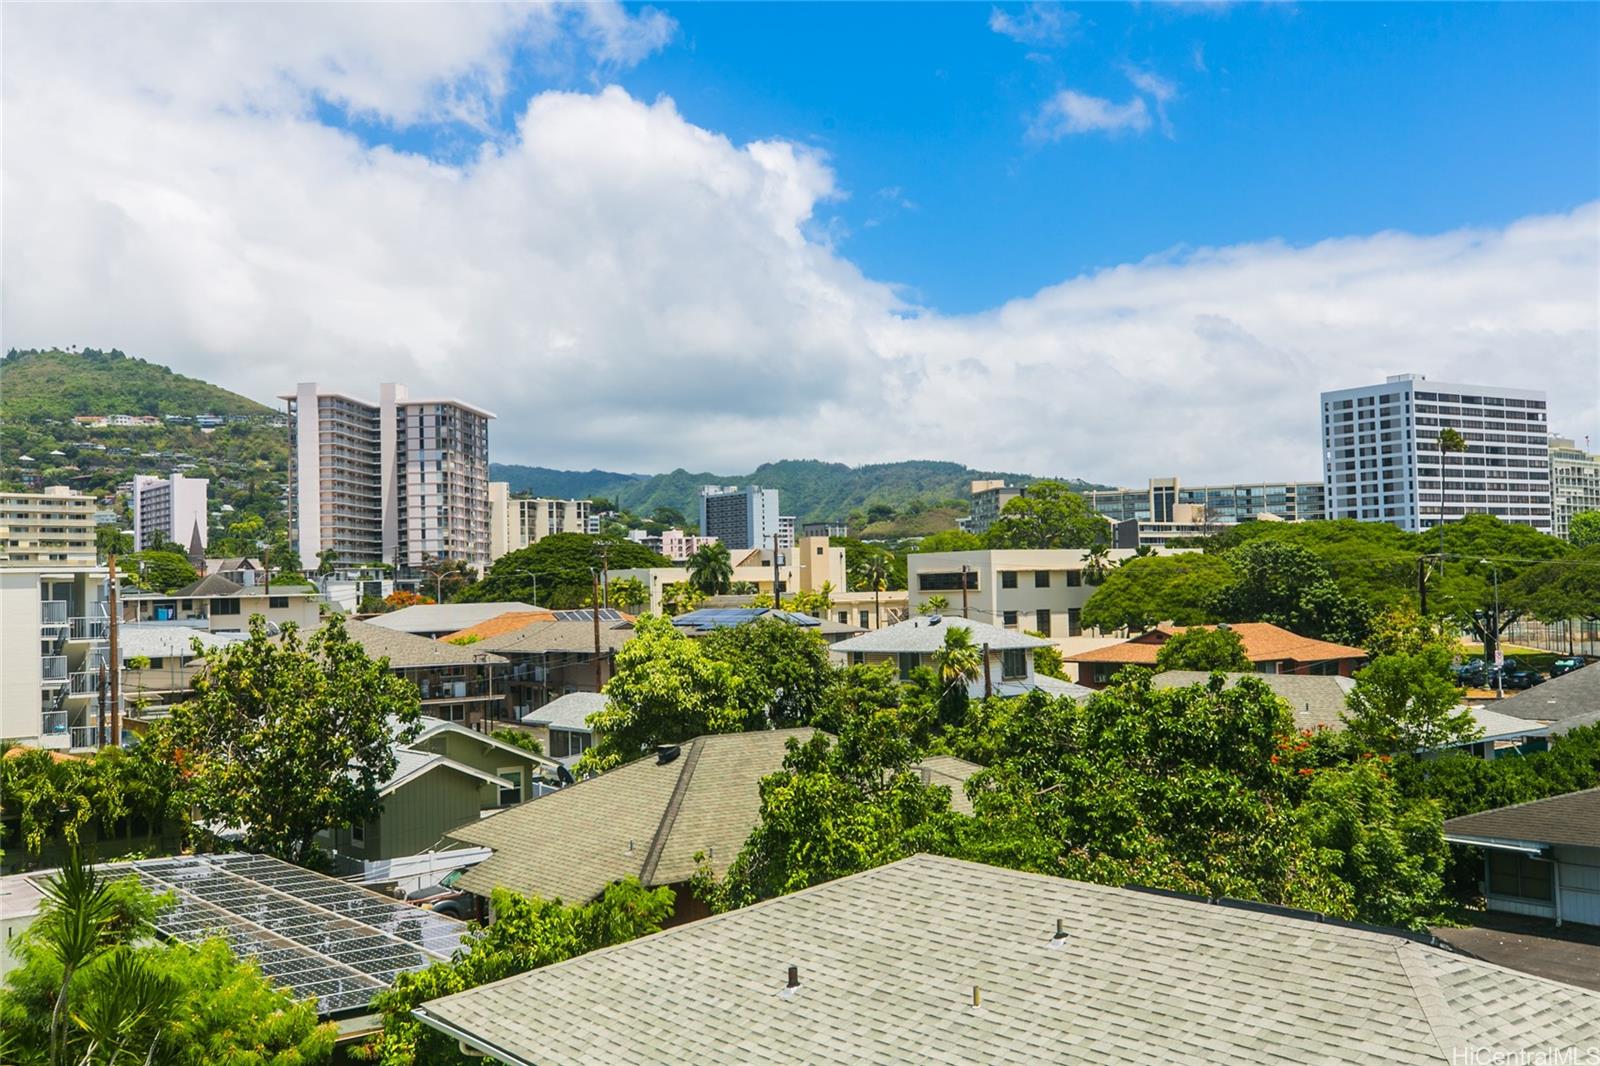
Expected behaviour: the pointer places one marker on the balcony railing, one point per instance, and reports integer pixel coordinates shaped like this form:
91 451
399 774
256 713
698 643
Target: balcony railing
85 736
53 612
90 628
53 668
85 682
52 723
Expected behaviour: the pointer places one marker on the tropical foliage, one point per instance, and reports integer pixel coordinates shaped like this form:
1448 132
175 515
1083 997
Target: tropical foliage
559 570
1203 649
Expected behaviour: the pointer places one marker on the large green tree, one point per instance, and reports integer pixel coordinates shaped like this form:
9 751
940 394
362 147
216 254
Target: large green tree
558 570
1483 585
1204 649
157 571
1165 588
286 737
1407 702
1051 515
783 668
666 690
1583 529
950 540
528 932
1289 586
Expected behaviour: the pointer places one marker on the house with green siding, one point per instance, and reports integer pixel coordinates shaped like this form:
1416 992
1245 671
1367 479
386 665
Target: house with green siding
447 776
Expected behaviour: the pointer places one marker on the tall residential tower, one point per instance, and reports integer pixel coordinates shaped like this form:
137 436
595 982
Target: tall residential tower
403 481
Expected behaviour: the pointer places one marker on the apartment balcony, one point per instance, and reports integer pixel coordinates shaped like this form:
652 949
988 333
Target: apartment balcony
53 669
85 736
84 683
90 629
53 612
53 723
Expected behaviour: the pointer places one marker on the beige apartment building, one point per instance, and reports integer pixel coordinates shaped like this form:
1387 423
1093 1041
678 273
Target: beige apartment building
515 523
56 671
50 528
810 564
1574 482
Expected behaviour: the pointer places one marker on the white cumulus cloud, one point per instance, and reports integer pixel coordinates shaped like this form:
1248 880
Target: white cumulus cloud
629 290
1069 112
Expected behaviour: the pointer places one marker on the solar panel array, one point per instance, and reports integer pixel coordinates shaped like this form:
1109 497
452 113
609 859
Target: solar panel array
607 614
314 935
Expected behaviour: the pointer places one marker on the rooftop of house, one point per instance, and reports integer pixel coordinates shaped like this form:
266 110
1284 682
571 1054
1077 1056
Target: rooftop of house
706 619
155 640
408 650
1317 702
1057 687
576 637
1572 819
1263 642
570 711
925 634
646 819
216 585
501 624
940 960
444 617
1574 693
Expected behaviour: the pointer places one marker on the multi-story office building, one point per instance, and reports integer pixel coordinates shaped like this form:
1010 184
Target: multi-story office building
1382 462
49 528
169 510
1574 482
989 498
515 523
57 682
1041 591
786 530
1164 500
739 517
402 481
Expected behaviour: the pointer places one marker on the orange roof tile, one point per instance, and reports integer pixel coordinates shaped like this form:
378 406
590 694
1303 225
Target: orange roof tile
502 624
1263 642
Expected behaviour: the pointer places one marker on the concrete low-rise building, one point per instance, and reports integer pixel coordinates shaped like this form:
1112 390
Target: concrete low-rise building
807 567
1028 590
1008 655
222 606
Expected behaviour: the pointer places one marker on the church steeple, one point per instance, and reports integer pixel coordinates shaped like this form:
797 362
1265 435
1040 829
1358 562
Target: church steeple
197 550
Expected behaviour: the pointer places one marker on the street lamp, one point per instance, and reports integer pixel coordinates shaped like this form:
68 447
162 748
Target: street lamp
1499 656
532 577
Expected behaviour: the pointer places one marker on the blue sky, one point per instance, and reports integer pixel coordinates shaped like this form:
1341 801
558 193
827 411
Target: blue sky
1297 122
1112 242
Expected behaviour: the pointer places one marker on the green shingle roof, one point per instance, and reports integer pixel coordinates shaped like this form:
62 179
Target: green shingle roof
887 961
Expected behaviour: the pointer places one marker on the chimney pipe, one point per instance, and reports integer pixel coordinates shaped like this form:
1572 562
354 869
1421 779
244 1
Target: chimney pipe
977 996
794 977
1061 929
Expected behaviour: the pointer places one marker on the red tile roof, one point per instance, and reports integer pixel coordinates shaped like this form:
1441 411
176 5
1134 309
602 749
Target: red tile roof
1263 642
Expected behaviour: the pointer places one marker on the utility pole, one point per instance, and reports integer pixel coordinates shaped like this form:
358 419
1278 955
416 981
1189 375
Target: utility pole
599 667
964 590
988 684
1422 585
605 574
266 563
777 585
111 643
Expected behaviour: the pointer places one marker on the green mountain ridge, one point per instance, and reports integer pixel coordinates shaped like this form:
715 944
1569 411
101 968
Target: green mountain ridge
810 489
53 383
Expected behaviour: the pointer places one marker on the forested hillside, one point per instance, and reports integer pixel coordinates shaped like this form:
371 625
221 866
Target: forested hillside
62 384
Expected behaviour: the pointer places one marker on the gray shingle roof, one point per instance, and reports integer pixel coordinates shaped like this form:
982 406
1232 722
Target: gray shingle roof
1572 819
1316 700
561 636
210 585
444 617
405 649
1573 693
926 634
567 712
888 959
1057 687
156 640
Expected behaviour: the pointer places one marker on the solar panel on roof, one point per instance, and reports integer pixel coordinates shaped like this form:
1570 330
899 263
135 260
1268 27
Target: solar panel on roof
313 935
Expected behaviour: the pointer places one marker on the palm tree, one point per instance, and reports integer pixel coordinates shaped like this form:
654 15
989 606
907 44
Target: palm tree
1143 551
960 663
711 569
77 924
1451 442
1097 564
934 605
875 572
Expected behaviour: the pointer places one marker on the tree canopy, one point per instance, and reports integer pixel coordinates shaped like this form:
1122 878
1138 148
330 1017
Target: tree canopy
1583 529
1160 588
1203 649
1289 586
1051 515
1407 702
286 737
557 571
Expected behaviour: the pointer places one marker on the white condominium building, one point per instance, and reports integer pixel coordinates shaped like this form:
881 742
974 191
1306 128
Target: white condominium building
1382 462
53 527
402 481
1574 482
54 643
169 510
516 523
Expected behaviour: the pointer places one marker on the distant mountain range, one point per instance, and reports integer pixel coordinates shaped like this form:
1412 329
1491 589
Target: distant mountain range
809 489
41 391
